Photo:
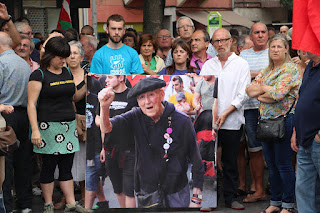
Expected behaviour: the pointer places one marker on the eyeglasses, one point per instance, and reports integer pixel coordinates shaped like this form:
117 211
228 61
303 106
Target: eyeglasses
164 36
223 41
185 26
24 45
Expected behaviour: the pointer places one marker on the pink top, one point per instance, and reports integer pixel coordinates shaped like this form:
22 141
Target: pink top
200 63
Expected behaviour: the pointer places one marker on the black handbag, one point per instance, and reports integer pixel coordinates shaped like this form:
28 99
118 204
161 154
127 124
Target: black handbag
155 199
273 129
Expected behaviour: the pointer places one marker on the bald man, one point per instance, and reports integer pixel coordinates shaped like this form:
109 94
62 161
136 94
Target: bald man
233 75
165 42
284 30
14 75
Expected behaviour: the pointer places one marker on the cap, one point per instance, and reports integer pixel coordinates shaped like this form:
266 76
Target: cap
180 96
145 85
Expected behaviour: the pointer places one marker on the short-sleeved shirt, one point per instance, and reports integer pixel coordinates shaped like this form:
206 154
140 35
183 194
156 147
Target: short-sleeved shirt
56 95
122 61
257 60
307 112
94 144
285 82
206 94
189 99
14 77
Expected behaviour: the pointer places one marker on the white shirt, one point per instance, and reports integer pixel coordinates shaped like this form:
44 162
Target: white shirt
233 79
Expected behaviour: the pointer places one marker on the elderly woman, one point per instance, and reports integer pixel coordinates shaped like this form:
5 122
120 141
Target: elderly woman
276 87
181 54
147 48
79 162
51 90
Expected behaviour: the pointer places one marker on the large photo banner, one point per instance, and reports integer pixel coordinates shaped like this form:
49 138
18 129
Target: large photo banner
150 143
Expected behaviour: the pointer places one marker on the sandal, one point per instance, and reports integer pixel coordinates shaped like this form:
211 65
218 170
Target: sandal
61 204
291 210
275 211
252 199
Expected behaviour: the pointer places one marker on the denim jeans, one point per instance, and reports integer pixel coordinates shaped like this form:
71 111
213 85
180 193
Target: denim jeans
308 178
281 173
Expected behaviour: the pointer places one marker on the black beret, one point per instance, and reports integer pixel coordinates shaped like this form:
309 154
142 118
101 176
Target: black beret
145 85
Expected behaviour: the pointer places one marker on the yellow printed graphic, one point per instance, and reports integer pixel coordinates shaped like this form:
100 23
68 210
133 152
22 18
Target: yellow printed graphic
61 82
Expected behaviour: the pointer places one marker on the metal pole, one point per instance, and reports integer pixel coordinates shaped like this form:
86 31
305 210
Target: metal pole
94 17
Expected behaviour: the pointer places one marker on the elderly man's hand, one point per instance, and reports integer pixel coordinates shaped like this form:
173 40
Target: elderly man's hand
106 96
4 12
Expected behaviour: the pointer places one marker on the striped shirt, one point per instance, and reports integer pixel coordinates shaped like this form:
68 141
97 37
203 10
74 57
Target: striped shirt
258 60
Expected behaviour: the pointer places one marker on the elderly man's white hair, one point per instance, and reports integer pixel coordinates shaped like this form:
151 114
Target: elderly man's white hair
19 25
184 17
92 41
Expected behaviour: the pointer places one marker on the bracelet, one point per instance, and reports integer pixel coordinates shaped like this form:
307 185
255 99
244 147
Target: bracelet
79 86
195 202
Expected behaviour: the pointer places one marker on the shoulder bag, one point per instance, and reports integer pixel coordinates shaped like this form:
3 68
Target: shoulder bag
272 129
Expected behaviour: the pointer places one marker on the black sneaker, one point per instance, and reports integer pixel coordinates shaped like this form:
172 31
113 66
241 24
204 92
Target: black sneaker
101 205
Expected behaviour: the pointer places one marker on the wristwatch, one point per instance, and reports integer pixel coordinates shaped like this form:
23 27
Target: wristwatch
10 18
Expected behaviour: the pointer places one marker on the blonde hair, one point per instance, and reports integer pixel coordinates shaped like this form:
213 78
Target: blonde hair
286 45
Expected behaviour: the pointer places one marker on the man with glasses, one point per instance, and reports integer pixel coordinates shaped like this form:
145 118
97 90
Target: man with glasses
25 29
185 29
24 50
233 76
165 42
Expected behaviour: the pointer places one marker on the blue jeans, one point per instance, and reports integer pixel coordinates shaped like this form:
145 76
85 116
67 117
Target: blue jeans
281 173
308 178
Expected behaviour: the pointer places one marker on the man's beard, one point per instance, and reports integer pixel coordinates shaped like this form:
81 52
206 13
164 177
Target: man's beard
114 41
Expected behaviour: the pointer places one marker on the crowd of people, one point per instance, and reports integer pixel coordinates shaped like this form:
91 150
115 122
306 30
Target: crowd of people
141 134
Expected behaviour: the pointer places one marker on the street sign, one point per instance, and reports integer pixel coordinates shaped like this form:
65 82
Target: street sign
214 22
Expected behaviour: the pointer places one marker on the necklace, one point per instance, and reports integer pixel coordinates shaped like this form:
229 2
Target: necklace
168 138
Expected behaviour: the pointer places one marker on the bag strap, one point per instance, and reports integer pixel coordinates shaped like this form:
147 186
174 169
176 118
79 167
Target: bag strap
196 62
290 107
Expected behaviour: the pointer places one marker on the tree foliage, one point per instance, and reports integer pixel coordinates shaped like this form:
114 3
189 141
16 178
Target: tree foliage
287 4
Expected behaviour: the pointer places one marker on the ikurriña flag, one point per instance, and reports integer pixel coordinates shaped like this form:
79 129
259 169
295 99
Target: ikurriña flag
306 26
64 21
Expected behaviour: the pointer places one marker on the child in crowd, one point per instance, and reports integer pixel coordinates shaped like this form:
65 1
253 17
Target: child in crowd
182 105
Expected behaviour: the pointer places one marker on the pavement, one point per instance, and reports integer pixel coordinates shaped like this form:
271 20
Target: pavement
208 194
